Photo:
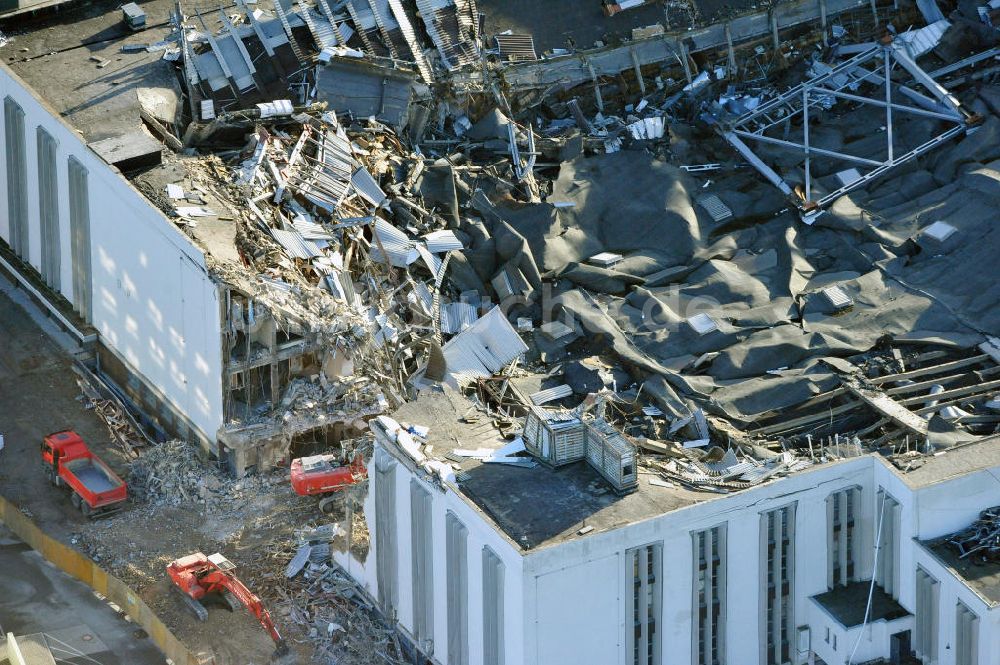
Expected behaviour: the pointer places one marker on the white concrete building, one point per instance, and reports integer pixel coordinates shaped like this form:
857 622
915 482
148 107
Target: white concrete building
545 566
198 355
140 288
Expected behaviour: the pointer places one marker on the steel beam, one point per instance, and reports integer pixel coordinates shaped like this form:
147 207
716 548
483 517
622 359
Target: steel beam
799 147
805 140
939 91
888 166
944 106
939 115
816 82
758 163
888 103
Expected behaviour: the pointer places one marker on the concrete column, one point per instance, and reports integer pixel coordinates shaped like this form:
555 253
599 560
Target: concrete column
822 21
685 62
730 51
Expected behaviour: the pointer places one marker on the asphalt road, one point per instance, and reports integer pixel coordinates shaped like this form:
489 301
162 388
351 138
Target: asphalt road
38 600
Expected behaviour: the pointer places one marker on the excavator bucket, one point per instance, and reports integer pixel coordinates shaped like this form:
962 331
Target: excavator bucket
283 656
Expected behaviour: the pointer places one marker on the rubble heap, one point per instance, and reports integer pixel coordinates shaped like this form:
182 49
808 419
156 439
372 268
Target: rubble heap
172 474
981 541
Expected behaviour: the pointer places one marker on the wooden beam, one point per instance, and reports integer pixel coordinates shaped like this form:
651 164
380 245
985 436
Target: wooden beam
942 381
805 420
936 369
956 392
889 408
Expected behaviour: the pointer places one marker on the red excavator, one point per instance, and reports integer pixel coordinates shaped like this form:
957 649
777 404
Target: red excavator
326 475
198 578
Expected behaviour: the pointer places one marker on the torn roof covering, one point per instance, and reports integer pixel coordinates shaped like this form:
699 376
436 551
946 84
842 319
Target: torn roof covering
772 337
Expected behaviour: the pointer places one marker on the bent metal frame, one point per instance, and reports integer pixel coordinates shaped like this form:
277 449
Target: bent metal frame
853 75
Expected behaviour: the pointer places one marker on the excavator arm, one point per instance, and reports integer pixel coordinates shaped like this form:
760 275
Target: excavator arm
218 580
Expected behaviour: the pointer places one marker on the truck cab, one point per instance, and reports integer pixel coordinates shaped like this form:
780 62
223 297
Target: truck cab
61 446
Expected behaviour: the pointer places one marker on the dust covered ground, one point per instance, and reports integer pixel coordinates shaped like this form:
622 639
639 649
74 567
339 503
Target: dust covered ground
186 507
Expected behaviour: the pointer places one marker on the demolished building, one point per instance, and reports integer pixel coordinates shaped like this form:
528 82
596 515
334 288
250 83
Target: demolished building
647 330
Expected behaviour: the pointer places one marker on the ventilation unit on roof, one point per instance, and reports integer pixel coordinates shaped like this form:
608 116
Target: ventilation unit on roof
554 437
702 324
939 231
838 297
612 455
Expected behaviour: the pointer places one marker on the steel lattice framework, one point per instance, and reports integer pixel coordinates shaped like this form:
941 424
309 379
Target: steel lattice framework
856 74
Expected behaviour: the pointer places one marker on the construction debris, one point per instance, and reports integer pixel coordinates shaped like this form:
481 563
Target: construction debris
578 245
981 541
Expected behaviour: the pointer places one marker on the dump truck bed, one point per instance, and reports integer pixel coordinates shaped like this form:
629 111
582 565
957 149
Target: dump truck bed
97 484
92 475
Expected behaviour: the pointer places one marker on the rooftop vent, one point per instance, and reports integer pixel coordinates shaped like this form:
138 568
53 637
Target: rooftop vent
714 206
702 324
605 259
838 297
939 231
848 177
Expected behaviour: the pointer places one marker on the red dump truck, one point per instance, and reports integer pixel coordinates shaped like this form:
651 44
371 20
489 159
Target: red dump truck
68 462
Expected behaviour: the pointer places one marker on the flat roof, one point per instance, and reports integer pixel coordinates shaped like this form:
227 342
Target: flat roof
73 60
574 495
982 577
847 604
960 460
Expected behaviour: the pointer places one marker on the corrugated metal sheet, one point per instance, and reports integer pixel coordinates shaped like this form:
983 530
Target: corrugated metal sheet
326 180
310 230
442 24
919 42
401 250
365 185
516 48
550 395
439 242
297 246
483 349
406 28
365 90
647 129
238 65
456 317
432 262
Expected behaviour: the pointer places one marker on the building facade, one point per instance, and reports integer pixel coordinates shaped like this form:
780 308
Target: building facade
775 574
76 225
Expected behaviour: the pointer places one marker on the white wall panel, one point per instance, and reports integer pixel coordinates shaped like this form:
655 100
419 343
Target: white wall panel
153 300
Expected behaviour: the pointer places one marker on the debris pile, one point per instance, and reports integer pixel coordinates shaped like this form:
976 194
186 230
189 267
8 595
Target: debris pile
122 427
341 624
172 474
981 541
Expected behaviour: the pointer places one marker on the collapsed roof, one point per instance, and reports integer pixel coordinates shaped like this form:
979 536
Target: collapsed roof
404 211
